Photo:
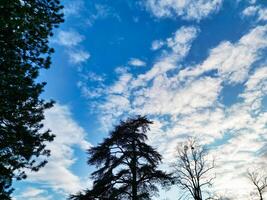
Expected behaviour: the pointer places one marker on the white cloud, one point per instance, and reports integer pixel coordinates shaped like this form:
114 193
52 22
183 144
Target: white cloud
73 8
90 93
157 44
186 9
251 10
121 86
57 174
71 41
232 61
102 11
93 77
190 97
34 194
121 70
258 11
88 82
186 102
179 45
118 94
137 62
256 89
68 38
252 1
262 14
181 41
78 56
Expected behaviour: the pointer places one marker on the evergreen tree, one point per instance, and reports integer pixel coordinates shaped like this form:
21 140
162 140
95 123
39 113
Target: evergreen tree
126 165
25 29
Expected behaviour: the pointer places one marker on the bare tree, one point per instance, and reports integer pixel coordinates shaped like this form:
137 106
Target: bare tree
219 197
259 181
192 167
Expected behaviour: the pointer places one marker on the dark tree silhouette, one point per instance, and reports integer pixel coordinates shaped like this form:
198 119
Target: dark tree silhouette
191 169
259 181
126 165
25 28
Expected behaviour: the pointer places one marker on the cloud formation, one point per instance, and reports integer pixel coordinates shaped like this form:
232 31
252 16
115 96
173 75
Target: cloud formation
34 194
100 12
118 94
188 10
78 56
71 40
136 62
73 8
186 101
256 11
68 38
57 174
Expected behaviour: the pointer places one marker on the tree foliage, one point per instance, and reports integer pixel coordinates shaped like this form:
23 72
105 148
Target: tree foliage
191 169
25 29
126 165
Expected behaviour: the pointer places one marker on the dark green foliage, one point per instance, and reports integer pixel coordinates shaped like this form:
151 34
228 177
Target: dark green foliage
126 165
25 26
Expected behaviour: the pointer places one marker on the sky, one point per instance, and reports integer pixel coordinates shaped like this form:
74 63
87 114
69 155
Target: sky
196 68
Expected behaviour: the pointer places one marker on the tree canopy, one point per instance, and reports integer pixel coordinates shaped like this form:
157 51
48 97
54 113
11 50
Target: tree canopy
26 26
126 165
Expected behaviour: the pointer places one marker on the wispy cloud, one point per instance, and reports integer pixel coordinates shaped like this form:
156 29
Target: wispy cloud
34 194
71 40
157 44
78 56
101 11
186 101
189 10
68 38
178 47
136 62
57 174
233 61
118 94
73 8
86 85
256 11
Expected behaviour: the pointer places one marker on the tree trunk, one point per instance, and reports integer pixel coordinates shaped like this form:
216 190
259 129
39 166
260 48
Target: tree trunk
261 198
134 173
134 187
198 195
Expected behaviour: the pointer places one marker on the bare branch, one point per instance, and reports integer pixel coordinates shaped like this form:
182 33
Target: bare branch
259 180
192 167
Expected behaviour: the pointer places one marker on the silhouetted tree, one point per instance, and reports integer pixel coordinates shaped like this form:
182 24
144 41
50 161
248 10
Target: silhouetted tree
259 181
25 28
86 195
191 169
219 197
126 165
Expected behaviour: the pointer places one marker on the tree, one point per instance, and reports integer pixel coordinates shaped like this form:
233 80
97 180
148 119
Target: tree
26 26
191 169
126 165
259 181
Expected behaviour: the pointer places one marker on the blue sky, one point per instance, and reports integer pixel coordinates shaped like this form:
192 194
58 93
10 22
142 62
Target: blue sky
196 68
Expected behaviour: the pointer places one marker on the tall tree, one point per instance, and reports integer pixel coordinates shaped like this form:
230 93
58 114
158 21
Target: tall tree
25 29
259 181
191 169
126 165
